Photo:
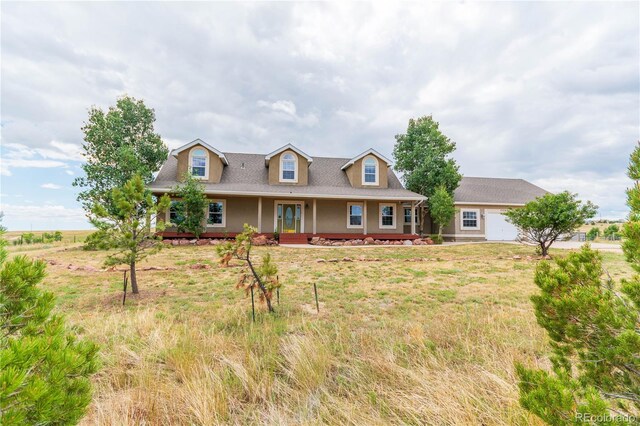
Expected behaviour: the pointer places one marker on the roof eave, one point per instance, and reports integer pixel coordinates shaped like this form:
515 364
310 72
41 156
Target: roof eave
284 148
415 197
364 154
199 141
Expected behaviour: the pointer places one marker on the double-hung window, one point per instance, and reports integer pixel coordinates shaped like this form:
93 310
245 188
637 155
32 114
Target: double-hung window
175 212
387 216
199 163
370 171
470 219
288 168
354 215
216 216
407 216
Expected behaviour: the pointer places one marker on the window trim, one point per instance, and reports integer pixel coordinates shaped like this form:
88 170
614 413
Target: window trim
349 225
377 164
470 228
168 214
206 162
295 168
405 216
224 213
395 214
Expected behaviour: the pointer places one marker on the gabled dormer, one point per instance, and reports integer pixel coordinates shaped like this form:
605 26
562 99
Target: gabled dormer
368 170
288 165
201 160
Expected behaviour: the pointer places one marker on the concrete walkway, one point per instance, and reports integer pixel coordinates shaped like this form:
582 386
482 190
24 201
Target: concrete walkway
563 245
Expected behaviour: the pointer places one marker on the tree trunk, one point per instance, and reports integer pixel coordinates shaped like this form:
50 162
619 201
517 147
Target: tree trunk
262 287
132 274
439 231
544 249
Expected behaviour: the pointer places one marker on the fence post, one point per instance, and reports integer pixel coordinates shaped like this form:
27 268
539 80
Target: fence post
124 287
315 290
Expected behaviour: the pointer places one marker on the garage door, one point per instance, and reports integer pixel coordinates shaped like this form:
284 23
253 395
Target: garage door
498 229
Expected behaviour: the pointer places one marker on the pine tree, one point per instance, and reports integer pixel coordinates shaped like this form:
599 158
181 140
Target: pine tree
127 226
44 367
594 330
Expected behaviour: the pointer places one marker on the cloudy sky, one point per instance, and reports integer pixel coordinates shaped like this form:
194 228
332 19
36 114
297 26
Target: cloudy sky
547 92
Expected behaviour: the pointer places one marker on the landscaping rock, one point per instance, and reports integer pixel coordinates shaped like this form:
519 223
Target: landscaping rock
193 242
332 260
368 241
175 242
183 242
315 240
260 240
321 261
202 242
516 257
199 266
407 243
347 259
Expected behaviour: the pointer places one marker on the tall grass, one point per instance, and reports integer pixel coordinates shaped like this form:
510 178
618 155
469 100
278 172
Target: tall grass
386 347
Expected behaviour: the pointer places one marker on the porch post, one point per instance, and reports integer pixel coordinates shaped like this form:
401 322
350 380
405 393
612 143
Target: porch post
413 217
314 216
259 214
364 218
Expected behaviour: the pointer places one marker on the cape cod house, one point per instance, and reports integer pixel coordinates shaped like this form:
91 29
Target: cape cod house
300 197
291 192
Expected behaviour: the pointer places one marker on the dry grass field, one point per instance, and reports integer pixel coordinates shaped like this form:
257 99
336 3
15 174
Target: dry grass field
405 335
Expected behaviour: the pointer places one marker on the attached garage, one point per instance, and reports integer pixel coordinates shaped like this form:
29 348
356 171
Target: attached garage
497 228
481 204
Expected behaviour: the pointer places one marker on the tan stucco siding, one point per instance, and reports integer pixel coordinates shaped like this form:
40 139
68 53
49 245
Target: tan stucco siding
455 227
214 163
354 173
274 170
331 215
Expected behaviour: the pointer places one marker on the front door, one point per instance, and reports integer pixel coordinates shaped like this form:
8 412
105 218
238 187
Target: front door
289 216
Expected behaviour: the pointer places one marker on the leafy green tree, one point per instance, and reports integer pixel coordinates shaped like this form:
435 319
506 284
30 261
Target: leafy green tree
119 144
128 228
263 277
593 325
442 208
191 207
612 232
422 155
44 367
549 218
593 233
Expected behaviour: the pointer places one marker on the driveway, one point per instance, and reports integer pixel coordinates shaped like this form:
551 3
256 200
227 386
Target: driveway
570 245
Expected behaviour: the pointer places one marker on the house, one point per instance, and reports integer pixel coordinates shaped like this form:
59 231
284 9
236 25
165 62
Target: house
300 197
291 192
480 204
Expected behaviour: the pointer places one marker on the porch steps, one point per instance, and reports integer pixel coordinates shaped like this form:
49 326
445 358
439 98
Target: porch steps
293 239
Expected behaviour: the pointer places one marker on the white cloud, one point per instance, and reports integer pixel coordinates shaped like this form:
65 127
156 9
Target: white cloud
50 186
7 163
542 91
69 172
22 217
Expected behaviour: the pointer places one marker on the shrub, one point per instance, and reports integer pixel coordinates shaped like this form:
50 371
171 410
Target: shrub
44 367
437 238
593 233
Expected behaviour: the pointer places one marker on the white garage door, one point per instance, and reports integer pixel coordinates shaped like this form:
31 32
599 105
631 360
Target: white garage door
498 229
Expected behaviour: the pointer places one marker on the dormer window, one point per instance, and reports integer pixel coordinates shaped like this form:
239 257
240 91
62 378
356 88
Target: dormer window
288 168
370 171
198 161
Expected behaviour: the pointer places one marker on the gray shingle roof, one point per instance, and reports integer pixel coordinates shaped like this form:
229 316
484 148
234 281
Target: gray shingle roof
496 190
246 173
